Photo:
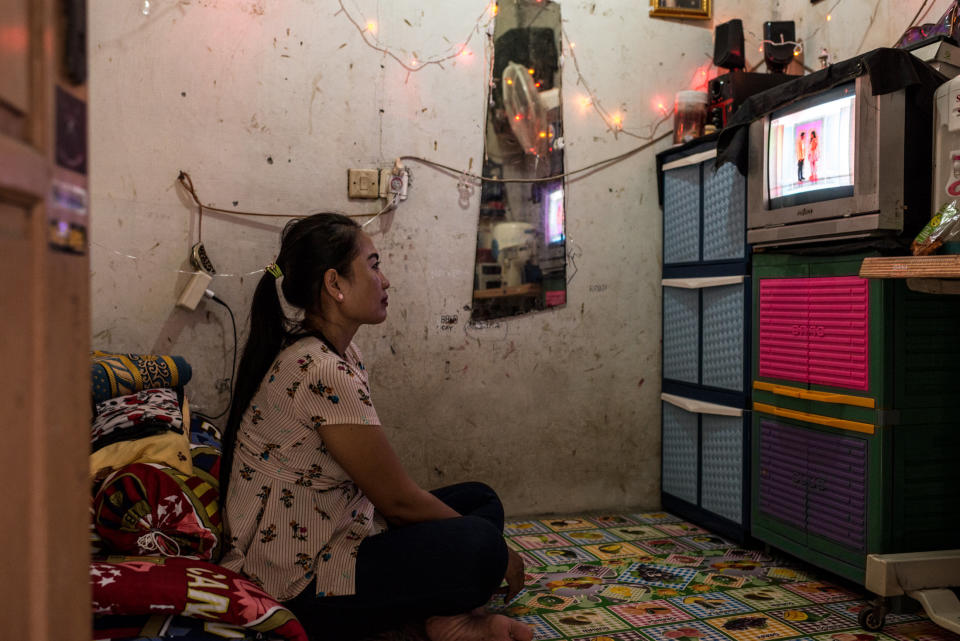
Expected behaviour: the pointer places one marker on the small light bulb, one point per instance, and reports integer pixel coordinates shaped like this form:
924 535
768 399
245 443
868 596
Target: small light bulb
518 117
530 71
573 44
494 9
829 17
509 81
543 134
146 8
372 26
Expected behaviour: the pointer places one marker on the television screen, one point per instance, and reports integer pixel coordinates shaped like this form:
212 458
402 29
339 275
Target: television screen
810 149
553 223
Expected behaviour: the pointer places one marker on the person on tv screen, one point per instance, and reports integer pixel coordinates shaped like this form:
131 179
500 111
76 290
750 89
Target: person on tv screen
801 154
813 155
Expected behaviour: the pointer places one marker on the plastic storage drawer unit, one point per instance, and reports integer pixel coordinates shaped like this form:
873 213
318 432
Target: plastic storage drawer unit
705 472
704 214
706 338
832 495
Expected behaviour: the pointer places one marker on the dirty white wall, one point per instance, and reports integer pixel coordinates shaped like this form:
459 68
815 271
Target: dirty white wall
853 26
266 103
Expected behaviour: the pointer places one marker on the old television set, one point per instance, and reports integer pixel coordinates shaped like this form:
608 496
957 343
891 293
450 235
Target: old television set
868 174
553 226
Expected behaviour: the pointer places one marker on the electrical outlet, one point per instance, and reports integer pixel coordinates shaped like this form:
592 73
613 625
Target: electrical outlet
404 183
363 183
393 184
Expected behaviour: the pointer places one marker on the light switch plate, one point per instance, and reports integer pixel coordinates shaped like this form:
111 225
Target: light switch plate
363 183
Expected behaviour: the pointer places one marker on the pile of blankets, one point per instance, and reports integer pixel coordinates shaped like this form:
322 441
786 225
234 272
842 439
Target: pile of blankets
156 528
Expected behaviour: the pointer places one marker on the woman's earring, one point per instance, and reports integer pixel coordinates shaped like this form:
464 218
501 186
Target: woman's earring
340 296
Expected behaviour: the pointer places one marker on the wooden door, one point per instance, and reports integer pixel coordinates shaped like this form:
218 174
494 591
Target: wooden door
44 340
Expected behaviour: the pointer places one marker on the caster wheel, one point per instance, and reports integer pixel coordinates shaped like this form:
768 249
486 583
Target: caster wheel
872 618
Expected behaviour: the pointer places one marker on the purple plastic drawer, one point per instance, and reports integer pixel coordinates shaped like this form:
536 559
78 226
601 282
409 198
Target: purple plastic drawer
815 481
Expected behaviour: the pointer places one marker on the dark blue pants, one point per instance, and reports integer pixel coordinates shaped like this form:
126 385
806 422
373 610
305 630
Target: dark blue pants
407 574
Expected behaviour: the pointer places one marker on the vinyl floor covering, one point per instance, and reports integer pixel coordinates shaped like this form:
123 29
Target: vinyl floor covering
655 577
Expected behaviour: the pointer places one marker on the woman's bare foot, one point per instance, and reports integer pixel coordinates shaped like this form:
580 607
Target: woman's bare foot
477 626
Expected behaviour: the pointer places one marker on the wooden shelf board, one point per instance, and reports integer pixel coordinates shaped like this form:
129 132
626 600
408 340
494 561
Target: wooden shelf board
940 266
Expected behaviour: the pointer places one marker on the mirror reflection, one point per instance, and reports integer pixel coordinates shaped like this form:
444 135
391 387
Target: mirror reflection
521 254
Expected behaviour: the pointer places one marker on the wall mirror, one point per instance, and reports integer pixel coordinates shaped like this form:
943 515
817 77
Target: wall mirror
521 251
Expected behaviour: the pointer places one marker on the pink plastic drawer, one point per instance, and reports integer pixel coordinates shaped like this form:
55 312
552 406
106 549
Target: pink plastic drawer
815 331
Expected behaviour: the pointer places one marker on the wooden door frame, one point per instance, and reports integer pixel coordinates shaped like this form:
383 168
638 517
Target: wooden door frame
45 392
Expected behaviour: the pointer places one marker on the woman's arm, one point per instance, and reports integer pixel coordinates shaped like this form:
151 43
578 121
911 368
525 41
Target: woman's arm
364 453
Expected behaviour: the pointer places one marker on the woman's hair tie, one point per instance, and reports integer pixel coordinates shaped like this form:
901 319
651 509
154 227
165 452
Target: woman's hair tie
274 270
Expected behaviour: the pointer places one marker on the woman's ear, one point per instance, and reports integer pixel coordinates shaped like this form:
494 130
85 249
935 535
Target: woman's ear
331 283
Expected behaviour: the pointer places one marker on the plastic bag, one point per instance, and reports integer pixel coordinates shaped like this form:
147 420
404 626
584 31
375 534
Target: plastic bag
943 227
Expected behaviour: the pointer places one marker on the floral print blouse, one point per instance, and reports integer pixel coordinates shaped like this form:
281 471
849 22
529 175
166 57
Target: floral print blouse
293 514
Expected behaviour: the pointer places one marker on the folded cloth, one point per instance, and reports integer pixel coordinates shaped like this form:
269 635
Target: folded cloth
203 432
205 450
146 426
148 508
115 375
126 418
199 589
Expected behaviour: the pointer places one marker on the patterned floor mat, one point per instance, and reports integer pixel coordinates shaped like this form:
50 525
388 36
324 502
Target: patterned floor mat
654 577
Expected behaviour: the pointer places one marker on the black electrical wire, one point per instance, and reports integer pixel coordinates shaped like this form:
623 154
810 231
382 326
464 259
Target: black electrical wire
233 368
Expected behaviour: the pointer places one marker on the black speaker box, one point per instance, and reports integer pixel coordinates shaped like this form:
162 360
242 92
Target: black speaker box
727 92
778 56
728 45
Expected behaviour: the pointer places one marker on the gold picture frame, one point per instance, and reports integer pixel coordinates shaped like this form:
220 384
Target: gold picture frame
693 9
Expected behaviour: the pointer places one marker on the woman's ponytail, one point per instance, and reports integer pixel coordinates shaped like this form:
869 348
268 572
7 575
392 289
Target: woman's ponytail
309 247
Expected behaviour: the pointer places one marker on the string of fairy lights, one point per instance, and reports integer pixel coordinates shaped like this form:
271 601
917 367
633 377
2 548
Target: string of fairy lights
482 27
368 30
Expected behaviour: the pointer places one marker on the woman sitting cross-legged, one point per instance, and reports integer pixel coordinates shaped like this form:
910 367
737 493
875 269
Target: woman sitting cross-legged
319 510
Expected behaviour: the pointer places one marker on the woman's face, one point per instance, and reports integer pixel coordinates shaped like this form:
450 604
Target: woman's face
365 290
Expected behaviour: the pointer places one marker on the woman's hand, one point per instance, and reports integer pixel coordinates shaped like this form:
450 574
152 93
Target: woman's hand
514 575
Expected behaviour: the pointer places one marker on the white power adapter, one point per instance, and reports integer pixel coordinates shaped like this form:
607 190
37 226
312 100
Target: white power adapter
194 291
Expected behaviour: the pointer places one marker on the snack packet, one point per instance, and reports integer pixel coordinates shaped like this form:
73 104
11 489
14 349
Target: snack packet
943 227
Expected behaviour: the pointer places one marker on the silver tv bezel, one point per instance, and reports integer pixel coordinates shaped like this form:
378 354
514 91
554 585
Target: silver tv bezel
877 203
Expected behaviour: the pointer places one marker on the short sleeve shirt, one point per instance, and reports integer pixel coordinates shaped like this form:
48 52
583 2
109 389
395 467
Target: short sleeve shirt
293 514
